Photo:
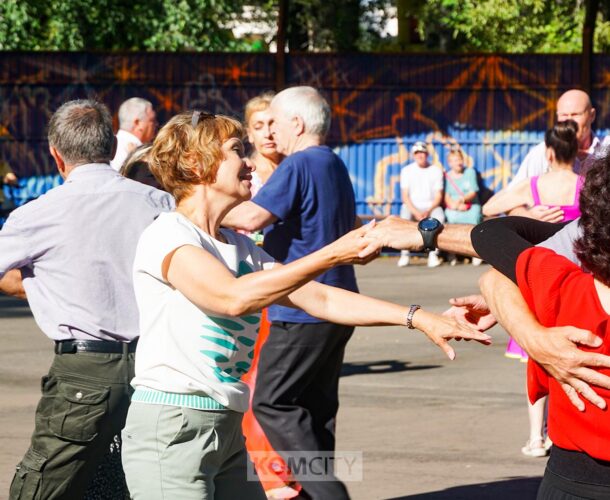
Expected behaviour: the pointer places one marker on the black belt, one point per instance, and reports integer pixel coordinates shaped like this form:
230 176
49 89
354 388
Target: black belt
103 346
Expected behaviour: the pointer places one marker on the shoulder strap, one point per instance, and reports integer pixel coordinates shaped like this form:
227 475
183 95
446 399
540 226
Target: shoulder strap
579 184
451 181
534 188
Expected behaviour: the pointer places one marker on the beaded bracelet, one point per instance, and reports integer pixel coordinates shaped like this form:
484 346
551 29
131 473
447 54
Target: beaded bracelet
410 314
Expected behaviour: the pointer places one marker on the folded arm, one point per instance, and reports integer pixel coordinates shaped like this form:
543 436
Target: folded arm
406 199
11 284
507 199
15 253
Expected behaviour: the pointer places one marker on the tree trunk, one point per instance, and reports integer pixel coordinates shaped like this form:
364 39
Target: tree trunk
404 23
346 22
298 36
280 57
588 30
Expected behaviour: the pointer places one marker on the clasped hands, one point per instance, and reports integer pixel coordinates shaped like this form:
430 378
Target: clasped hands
392 232
364 244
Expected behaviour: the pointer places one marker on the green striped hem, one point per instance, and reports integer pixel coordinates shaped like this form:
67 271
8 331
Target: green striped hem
151 396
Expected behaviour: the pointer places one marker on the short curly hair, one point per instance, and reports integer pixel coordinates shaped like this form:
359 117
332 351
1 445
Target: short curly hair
183 156
593 246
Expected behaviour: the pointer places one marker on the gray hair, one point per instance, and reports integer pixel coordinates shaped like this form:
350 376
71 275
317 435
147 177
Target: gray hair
307 103
133 109
81 131
138 155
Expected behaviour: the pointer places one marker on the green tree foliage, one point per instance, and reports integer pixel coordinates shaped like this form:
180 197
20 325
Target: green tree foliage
184 24
545 26
119 25
508 25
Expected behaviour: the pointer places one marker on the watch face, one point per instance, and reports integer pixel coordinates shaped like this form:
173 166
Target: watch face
429 224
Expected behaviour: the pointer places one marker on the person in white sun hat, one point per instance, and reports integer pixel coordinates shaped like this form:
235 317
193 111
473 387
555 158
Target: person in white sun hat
421 187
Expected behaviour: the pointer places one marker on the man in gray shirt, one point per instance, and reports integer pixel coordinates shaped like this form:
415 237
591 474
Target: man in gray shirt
75 246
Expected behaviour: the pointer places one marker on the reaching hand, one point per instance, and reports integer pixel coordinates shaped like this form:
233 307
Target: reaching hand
574 369
396 233
357 247
439 329
473 310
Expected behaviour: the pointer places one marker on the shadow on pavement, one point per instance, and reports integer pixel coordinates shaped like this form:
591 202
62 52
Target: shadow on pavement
14 308
381 366
523 488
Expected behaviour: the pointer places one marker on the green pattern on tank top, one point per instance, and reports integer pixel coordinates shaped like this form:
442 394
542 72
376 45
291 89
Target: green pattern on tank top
222 334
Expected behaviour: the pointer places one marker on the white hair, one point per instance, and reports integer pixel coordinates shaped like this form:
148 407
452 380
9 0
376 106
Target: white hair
308 104
133 109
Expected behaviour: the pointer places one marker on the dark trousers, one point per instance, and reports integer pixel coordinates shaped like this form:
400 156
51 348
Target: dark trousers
296 396
555 487
84 403
574 475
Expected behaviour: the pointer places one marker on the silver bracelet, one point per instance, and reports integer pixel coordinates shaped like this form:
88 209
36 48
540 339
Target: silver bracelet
410 314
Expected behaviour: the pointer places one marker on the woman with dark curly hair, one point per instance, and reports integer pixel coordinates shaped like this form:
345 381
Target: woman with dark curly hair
561 293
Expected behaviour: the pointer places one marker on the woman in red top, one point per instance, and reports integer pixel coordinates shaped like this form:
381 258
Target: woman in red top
560 293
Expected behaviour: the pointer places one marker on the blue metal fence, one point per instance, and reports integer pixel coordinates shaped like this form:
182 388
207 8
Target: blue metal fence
495 107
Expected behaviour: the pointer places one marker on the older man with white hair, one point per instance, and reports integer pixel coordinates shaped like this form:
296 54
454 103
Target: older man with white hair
307 203
137 126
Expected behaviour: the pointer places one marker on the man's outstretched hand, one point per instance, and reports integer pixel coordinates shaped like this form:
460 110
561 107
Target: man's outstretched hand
396 233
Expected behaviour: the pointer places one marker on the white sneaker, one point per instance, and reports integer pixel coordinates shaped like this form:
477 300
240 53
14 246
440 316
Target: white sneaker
403 261
433 260
535 448
476 261
281 493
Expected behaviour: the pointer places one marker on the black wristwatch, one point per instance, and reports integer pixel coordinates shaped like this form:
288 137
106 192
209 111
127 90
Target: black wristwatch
429 229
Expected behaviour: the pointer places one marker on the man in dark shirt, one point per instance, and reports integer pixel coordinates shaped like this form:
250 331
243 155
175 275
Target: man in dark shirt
306 204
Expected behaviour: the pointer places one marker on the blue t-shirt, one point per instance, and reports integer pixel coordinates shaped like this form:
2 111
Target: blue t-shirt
312 196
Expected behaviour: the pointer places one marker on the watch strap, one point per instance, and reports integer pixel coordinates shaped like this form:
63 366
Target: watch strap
429 239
